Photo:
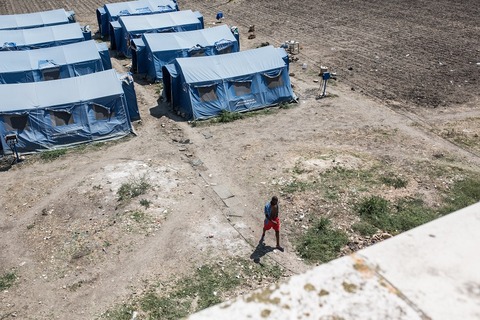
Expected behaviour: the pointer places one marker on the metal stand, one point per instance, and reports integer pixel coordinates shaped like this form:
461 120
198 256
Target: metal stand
326 75
292 47
323 85
12 140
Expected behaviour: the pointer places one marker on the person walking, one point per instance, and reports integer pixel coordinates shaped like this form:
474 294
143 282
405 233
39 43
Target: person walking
272 220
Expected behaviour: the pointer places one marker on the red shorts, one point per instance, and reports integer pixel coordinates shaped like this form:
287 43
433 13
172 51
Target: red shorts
270 225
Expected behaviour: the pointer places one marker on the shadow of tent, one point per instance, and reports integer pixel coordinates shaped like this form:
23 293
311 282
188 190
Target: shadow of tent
6 162
163 109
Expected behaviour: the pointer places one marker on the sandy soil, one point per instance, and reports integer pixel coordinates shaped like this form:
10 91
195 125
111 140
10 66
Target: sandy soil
77 250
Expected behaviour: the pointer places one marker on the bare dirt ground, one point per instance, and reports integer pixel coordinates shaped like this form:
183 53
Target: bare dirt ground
406 99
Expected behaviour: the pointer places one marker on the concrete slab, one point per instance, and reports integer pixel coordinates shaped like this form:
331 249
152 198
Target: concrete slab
346 288
431 272
437 265
222 192
232 203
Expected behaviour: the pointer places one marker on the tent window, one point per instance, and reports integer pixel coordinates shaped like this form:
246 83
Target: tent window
274 82
143 10
61 118
226 50
16 122
51 74
207 93
101 113
197 53
242 88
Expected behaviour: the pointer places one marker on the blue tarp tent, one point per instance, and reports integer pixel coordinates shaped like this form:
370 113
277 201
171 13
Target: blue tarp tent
131 96
36 19
132 27
201 87
71 60
162 48
112 11
44 37
65 112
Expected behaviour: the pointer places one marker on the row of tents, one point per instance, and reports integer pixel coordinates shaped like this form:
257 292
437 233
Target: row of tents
57 87
36 19
203 70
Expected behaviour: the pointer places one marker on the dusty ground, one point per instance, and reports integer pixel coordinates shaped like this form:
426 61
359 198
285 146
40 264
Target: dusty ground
406 99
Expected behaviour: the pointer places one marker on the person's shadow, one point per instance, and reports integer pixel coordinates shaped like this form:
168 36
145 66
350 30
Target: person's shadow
260 251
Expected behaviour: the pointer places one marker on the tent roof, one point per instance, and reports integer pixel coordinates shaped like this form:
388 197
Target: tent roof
139 7
208 68
42 35
28 20
12 61
24 96
187 39
138 42
159 20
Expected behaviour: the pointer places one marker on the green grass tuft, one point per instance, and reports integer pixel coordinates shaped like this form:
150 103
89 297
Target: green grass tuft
375 210
133 188
158 307
228 116
463 193
297 186
395 182
145 203
206 284
123 312
52 154
206 287
285 105
364 228
138 216
7 280
321 243
399 217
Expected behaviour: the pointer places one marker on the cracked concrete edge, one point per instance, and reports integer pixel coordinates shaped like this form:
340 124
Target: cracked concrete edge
380 282
346 288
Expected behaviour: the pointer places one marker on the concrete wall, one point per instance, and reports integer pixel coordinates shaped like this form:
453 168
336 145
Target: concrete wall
430 272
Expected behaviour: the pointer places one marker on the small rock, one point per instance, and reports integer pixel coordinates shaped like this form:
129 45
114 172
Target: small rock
386 235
